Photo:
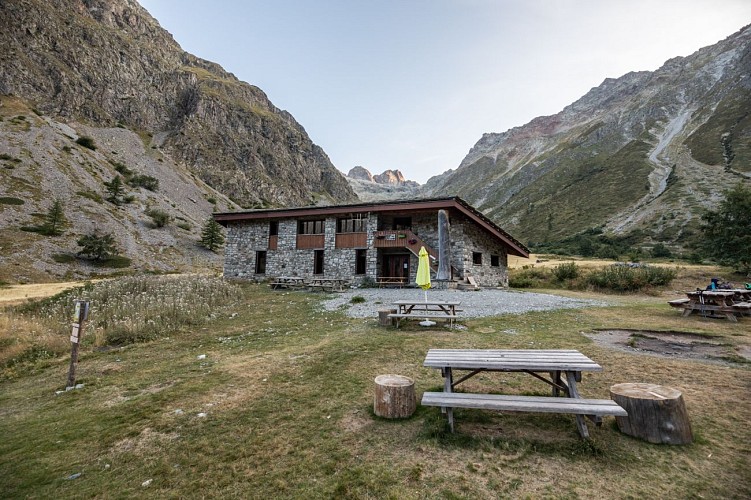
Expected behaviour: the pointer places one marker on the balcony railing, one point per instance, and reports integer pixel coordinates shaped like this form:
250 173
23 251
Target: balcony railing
305 241
351 240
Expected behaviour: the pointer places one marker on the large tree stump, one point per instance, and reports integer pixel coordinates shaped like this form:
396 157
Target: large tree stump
655 413
394 396
383 317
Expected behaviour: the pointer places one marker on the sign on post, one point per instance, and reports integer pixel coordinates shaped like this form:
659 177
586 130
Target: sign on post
80 315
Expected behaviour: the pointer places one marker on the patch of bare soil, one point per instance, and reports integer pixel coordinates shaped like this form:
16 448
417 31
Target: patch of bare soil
678 345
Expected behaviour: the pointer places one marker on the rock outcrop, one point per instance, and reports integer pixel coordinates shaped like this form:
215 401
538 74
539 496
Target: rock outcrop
389 185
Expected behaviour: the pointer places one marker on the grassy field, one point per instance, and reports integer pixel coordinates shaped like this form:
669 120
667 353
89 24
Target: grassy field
281 406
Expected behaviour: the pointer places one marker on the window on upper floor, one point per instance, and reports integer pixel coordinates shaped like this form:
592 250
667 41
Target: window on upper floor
353 224
273 228
311 226
495 261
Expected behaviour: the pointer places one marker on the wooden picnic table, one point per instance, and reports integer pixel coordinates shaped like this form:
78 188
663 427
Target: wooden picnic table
328 284
391 281
287 282
425 309
729 304
561 369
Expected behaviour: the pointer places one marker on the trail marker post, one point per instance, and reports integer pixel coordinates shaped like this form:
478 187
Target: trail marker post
80 315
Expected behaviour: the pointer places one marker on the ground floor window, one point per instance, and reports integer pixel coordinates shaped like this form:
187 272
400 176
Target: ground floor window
260 262
495 261
317 261
360 261
477 258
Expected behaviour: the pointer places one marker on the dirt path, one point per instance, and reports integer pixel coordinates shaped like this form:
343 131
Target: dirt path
14 294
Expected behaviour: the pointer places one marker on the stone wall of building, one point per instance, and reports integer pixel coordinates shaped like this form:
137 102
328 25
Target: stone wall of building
466 239
245 239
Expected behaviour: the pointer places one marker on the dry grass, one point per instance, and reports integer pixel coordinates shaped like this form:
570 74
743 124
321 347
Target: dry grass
287 391
17 294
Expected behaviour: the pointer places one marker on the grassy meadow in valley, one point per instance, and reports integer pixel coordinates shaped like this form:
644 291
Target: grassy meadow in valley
240 391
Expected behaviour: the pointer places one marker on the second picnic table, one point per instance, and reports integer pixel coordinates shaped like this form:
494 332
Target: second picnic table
716 303
561 369
425 309
328 284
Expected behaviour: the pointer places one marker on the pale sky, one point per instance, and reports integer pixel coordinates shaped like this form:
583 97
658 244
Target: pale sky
413 84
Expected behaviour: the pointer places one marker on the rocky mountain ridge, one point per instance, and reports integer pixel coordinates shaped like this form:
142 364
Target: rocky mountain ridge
389 185
642 154
108 63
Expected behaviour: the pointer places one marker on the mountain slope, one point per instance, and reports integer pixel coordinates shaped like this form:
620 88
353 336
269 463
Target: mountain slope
40 161
639 155
108 63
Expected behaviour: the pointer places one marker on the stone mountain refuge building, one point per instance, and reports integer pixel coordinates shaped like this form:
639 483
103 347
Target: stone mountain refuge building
379 241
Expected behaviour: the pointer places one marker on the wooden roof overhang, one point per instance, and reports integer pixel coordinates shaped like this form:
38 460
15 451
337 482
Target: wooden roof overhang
454 203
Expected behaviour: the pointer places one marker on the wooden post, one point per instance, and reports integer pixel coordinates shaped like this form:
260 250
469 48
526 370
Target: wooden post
655 413
394 396
80 315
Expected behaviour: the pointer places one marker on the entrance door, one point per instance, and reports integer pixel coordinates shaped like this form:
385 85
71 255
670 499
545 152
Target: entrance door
396 266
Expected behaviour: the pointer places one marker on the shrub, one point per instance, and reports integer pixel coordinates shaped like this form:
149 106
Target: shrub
121 168
138 308
97 247
91 195
115 190
660 250
357 299
144 181
566 271
527 277
9 200
86 142
63 258
368 282
159 218
185 226
623 278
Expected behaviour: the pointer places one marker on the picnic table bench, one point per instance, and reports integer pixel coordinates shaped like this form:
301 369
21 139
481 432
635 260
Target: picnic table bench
328 284
399 281
729 304
561 369
436 309
287 282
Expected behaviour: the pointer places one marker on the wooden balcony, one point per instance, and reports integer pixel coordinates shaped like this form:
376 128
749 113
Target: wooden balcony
403 238
312 241
351 240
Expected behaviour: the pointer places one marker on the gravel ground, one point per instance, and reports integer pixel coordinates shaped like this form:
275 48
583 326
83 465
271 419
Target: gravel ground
486 302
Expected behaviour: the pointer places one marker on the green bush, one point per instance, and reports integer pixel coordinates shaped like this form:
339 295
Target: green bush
9 200
566 271
660 250
86 142
622 278
357 299
121 168
528 277
63 258
185 226
93 196
159 218
144 181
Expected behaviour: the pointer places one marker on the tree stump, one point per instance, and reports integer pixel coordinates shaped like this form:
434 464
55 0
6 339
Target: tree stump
394 396
655 413
383 317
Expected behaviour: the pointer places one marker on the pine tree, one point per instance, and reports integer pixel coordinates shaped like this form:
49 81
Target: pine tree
54 219
727 229
116 190
211 235
97 247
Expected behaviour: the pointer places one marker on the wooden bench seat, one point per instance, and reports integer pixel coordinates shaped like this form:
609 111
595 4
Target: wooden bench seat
422 315
533 404
679 302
